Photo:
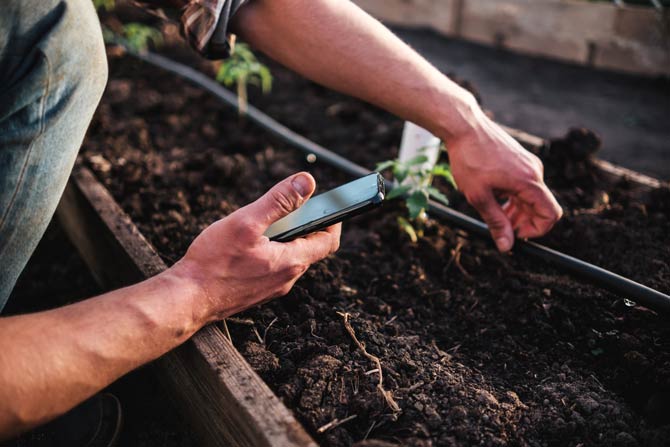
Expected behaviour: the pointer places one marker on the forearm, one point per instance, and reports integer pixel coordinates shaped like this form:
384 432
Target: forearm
335 43
50 361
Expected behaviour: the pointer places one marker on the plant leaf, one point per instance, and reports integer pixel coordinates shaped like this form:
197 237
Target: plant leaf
418 160
385 165
444 170
400 172
407 228
437 195
398 191
417 202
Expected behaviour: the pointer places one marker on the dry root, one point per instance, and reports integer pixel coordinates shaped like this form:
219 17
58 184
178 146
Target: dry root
456 259
388 397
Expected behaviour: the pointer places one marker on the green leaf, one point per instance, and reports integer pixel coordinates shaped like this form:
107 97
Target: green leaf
138 36
444 170
266 78
436 194
107 5
241 69
407 228
417 202
400 172
418 160
385 165
398 191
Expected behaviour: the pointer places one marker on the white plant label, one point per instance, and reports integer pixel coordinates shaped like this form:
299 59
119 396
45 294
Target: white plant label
418 141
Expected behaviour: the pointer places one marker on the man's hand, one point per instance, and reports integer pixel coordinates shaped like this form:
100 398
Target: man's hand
488 164
349 51
67 354
237 267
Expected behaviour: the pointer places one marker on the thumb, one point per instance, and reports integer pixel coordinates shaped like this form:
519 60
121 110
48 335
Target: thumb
498 222
285 197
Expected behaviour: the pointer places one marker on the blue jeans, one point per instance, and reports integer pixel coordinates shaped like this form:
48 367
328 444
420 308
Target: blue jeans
53 71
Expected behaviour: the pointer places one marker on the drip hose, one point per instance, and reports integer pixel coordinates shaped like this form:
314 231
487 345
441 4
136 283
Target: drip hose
617 284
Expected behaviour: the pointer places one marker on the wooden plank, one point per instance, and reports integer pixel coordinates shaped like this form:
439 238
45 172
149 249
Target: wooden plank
617 172
227 403
529 141
609 170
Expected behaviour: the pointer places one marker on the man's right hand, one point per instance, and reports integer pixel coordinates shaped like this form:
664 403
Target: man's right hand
236 267
65 355
488 164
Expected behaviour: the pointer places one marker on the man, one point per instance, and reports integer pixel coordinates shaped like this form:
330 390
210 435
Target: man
52 74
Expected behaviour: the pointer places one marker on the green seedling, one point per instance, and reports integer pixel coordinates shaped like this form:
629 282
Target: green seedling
241 69
415 181
107 5
138 36
134 36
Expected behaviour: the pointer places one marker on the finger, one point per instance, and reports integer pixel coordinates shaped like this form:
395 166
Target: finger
539 212
285 197
513 212
498 222
314 246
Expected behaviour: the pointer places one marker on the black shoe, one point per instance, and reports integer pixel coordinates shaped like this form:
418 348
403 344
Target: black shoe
95 422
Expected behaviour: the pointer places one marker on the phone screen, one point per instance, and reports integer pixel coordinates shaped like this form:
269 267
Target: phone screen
330 205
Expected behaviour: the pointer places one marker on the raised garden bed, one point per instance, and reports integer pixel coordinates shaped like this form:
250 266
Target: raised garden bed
476 347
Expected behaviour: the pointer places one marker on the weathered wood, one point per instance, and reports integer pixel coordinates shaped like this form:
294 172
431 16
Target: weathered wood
609 171
529 141
227 403
615 172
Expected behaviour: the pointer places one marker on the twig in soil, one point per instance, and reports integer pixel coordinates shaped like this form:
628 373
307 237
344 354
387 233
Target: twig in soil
388 397
335 423
258 336
265 332
600 385
456 259
367 433
227 332
245 321
391 320
444 356
312 328
418 384
454 348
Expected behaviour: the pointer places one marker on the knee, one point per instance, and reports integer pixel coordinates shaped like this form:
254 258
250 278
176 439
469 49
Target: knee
76 53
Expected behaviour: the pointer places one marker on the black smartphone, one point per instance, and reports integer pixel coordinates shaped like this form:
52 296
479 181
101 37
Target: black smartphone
329 208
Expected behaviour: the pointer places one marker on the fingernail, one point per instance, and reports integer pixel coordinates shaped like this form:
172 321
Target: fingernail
503 243
301 184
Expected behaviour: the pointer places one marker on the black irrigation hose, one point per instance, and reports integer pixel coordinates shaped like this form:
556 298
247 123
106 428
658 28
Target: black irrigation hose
616 284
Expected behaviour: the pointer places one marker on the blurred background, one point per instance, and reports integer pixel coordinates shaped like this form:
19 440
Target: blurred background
546 65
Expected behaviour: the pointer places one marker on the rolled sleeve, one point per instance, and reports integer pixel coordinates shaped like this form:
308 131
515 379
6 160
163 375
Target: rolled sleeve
204 24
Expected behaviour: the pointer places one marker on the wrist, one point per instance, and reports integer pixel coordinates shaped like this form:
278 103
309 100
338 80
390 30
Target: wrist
461 117
185 283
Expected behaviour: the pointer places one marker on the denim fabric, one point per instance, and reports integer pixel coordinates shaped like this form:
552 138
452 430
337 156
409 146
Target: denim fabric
52 74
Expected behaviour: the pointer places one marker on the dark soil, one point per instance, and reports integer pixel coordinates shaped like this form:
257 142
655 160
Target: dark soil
477 348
